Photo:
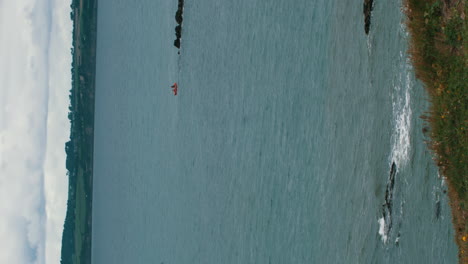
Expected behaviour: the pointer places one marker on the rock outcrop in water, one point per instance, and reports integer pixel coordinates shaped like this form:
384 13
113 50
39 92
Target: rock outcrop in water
368 6
437 209
179 19
388 205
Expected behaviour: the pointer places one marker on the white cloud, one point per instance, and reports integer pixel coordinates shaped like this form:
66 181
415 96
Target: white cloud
35 41
56 188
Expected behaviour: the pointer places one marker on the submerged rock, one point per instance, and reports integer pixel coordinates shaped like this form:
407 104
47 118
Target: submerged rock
437 209
425 131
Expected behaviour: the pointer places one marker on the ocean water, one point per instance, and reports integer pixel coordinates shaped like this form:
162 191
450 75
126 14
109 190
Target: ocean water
278 147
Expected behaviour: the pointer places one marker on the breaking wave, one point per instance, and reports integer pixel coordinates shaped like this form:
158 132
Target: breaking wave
401 133
382 231
401 106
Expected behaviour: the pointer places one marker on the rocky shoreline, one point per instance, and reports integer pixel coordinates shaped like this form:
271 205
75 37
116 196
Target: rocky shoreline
438 51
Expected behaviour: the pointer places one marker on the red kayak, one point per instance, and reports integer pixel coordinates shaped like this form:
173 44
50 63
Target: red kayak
174 88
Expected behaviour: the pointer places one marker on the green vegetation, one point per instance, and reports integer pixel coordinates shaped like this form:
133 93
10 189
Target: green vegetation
76 240
439 53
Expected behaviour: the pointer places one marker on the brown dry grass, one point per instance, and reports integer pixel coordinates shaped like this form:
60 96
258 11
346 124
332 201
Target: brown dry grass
459 220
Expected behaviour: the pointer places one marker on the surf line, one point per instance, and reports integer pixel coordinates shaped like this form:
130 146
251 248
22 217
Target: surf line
401 145
386 220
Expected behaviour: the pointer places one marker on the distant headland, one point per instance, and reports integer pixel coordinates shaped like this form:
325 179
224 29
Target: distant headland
76 238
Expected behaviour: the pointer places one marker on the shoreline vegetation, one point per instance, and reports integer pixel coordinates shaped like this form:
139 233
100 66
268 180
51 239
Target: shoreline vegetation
439 52
438 49
76 238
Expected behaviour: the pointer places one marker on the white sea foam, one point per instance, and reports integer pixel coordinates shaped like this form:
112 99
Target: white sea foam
403 31
401 104
369 43
382 233
402 114
442 179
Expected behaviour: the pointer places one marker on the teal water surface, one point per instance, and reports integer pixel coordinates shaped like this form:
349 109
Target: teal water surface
279 145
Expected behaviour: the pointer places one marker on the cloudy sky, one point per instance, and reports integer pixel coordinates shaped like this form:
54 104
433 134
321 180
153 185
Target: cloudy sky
35 42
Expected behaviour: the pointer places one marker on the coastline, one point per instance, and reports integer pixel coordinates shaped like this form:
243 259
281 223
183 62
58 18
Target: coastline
438 50
459 203
77 232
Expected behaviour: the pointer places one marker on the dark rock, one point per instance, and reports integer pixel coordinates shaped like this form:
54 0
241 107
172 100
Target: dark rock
367 10
178 31
387 207
397 240
179 19
177 43
178 16
390 186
